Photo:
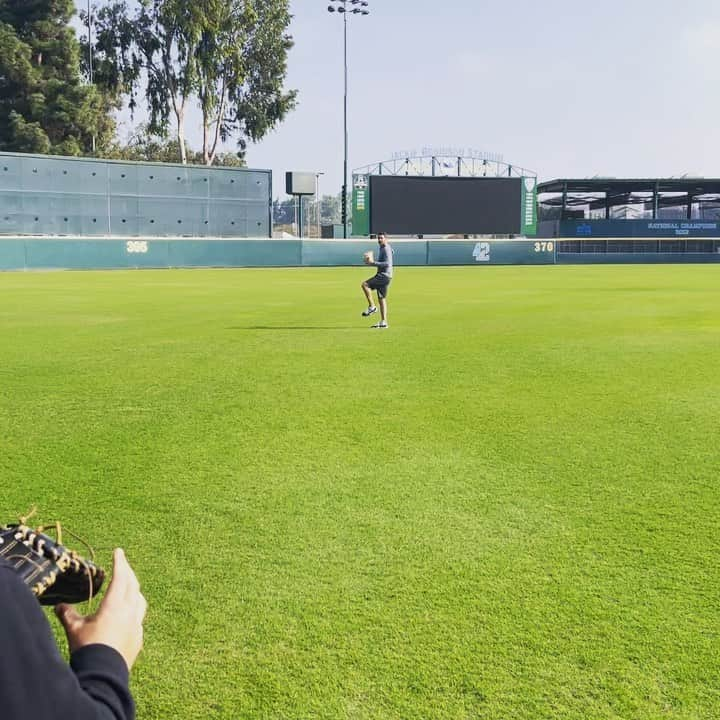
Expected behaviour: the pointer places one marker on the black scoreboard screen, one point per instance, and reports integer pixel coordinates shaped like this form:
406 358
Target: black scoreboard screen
445 205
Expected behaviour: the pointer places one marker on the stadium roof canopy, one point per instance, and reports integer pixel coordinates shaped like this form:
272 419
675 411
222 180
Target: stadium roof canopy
613 186
608 192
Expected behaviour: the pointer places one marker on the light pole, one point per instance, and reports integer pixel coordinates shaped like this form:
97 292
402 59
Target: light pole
317 201
346 7
90 55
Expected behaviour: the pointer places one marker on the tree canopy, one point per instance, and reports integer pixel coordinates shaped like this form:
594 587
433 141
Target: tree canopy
45 106
229 56
144 146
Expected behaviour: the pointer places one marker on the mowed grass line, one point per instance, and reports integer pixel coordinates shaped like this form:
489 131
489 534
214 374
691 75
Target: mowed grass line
505 506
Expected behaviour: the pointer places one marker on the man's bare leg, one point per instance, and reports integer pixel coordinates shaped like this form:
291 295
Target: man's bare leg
383 309
368 294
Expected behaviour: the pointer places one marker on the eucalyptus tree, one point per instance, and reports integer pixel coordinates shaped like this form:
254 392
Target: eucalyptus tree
228 58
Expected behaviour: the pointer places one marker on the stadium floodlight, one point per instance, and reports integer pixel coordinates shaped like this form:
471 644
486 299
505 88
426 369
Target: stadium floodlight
356 7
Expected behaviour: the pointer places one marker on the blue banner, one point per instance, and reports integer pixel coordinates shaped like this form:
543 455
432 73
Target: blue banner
583 229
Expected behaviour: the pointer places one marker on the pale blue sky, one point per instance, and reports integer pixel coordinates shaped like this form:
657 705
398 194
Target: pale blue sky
619 87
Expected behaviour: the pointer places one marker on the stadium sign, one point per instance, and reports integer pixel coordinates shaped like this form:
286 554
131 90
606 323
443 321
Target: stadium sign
658 228
461 152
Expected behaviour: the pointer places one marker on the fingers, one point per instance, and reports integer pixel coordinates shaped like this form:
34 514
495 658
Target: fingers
69 618
132 597
116 589
124 585
122 566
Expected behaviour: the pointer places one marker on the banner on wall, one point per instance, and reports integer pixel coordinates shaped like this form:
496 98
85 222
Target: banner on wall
360 205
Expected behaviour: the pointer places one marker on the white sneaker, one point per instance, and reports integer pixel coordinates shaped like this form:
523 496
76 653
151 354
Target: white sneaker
380 325
369 311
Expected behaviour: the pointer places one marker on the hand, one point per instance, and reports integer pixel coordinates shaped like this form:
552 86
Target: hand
117 622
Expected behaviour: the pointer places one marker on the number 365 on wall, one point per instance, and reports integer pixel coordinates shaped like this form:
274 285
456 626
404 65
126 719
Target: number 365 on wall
136 246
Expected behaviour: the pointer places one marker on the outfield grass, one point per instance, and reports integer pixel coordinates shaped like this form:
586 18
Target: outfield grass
506 506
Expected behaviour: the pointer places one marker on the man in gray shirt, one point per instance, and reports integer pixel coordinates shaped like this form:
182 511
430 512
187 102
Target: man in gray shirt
380 282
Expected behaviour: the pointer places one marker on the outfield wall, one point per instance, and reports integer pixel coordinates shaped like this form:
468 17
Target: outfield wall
46 195
624 250
82 253
621 258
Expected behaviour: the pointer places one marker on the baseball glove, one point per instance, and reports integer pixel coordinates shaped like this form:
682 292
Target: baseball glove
54 573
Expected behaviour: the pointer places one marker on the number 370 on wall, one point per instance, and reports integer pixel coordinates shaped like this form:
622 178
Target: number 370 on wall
544 247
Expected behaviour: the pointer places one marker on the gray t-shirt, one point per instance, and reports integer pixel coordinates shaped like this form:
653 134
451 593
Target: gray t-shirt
384 262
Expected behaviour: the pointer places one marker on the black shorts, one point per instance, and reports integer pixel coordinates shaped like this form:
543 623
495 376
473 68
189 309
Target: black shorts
380 283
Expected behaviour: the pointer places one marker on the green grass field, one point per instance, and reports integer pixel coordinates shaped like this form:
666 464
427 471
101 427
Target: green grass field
506 506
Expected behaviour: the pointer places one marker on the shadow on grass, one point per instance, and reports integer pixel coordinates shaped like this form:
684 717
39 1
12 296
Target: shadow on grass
292 327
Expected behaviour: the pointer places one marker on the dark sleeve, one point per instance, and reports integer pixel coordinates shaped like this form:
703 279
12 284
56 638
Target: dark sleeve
35 681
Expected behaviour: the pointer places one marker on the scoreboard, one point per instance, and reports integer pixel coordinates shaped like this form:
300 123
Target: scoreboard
448 205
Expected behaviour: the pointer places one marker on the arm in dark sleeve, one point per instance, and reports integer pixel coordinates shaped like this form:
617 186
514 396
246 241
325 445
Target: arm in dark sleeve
35 681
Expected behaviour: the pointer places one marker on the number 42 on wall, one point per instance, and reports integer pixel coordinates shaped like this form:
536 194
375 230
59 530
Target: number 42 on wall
481 252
